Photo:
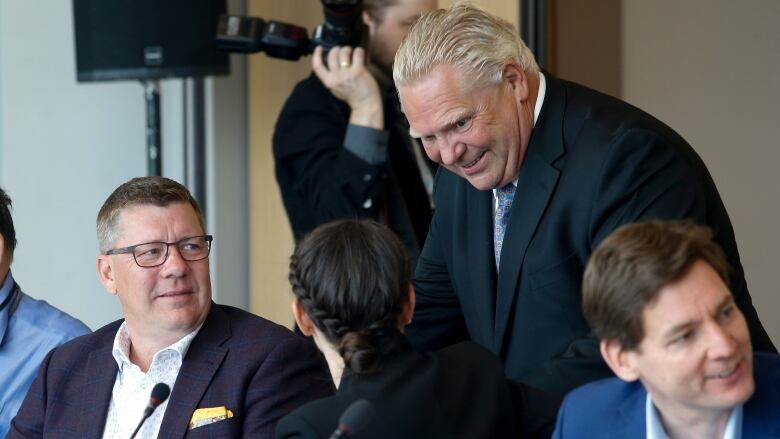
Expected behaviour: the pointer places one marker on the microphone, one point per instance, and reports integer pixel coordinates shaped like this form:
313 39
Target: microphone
355 418
160 393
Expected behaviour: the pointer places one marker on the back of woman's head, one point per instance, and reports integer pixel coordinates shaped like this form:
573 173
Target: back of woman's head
352 278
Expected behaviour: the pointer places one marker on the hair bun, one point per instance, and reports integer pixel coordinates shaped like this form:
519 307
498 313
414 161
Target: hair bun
359 352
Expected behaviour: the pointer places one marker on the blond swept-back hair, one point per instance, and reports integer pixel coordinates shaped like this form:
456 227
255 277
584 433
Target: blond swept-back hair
472 41
155 191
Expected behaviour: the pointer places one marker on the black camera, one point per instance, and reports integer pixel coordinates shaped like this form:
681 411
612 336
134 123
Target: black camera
342 27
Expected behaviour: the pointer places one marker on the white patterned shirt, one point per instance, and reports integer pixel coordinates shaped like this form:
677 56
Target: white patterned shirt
133 387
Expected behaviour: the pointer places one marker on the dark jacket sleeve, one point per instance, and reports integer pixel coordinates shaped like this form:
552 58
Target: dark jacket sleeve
320 178
656 175
537 408
293 426
560 422
438 319
648 174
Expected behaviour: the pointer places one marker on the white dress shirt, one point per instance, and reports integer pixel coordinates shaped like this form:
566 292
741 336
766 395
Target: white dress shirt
133 387
655 428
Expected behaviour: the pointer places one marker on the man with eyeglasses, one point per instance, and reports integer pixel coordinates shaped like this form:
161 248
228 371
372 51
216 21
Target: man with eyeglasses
231 373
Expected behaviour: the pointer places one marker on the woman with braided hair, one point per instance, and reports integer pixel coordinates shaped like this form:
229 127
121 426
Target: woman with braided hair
352 286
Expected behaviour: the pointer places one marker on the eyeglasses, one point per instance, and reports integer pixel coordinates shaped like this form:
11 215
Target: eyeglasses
153 254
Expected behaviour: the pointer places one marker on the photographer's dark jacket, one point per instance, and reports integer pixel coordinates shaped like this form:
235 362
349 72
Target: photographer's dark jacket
328 169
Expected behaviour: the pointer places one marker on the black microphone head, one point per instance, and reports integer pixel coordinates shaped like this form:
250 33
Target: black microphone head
356 417
160 393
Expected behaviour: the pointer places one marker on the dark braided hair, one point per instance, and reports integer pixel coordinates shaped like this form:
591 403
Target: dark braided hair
352 277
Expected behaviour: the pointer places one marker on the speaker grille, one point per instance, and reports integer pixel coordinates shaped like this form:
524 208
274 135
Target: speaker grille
143 39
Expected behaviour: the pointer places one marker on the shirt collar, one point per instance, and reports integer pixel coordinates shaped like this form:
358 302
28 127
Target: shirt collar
540 97
121 348
655 429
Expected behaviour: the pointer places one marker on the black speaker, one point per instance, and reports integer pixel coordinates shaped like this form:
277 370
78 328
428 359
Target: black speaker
145 39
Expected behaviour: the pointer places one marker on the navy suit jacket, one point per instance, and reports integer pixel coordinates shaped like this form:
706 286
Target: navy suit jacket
593 163
259 370
612 408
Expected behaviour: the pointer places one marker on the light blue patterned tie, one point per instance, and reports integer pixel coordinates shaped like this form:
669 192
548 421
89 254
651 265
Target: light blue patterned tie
504 195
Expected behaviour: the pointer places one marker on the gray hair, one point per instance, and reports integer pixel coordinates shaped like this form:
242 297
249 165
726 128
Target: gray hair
472 41
156 191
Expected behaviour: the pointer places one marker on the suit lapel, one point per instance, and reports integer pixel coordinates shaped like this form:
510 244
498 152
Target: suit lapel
479 205
101 373
202 361
535 185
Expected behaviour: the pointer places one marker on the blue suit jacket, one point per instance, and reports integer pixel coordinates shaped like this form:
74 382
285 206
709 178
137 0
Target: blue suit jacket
259 370
612 408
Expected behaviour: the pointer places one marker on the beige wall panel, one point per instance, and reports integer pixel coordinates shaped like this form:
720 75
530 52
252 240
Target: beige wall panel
588 43
710 69
270 82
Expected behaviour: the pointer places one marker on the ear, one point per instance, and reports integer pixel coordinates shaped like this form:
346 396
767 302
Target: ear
302 319
369 22
620 360
106 273
517 79
407 311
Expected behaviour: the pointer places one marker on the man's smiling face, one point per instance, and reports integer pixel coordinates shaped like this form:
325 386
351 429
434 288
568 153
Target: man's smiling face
479 133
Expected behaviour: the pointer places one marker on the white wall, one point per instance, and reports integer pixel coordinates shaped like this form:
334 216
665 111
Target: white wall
711 70
65 146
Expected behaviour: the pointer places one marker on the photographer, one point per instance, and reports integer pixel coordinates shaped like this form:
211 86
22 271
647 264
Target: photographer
341 145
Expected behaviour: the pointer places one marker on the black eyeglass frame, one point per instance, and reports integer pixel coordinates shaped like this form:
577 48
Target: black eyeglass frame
131 250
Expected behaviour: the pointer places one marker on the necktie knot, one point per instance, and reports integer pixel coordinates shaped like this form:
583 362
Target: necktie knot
506 193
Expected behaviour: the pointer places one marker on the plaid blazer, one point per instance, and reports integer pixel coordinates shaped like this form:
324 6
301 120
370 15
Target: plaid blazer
259 370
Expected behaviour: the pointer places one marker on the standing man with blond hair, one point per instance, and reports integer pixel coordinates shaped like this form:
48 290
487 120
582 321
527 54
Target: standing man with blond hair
538 171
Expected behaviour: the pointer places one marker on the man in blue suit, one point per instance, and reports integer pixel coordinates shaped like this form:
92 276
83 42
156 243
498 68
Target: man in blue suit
655 294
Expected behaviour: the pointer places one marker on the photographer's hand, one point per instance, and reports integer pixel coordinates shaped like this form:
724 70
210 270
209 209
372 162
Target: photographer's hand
347 77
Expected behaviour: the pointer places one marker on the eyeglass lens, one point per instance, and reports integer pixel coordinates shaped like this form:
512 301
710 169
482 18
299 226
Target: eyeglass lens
155 253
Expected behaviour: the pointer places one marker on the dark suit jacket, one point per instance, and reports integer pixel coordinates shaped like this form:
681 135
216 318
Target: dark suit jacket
320 180
458 392
259 370
593 163
612 408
